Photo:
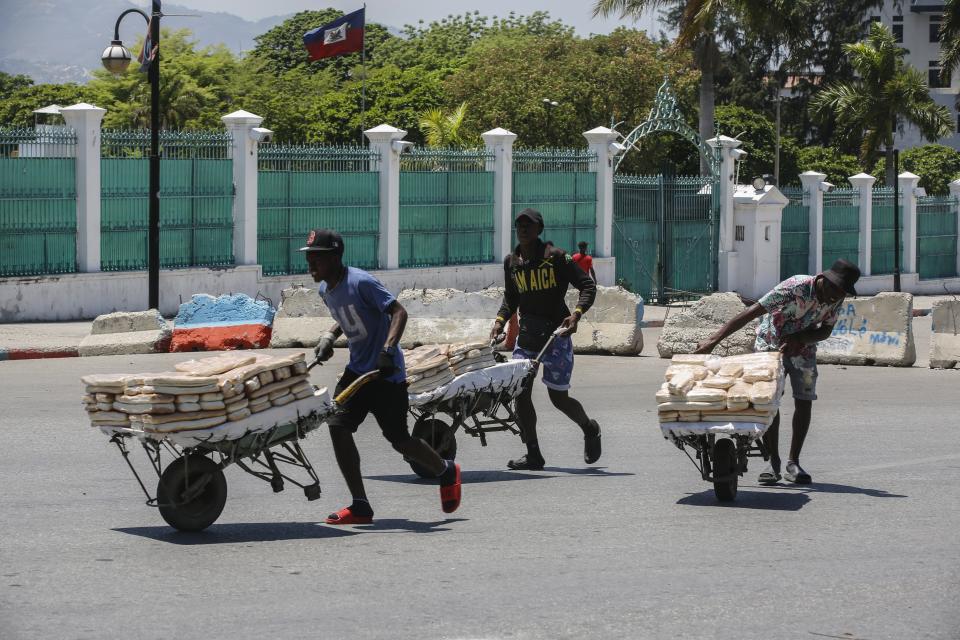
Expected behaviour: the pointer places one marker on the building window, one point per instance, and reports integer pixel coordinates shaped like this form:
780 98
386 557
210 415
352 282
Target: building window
935 28
898 33
933 76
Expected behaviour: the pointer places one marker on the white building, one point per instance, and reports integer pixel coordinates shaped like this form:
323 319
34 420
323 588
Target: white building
916 24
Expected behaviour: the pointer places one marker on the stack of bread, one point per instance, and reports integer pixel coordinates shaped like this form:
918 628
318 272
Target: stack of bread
706 388
465 358
427 368
101 392
200 394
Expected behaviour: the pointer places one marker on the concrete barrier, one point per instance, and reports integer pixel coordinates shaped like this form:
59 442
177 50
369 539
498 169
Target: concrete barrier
300 320
227 322
872 331
127 332
612 325
683 331
945 339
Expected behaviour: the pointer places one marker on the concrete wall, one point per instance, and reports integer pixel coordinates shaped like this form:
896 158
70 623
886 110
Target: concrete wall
83 296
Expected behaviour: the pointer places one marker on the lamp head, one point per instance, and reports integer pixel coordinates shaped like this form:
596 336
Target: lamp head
116 57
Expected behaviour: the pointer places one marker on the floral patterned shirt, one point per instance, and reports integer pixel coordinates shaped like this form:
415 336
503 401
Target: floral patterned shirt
792 307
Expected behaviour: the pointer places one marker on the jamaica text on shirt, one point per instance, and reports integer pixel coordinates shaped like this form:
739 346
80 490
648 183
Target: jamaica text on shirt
535 279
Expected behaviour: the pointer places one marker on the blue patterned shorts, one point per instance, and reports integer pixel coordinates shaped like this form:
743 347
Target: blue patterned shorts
557 362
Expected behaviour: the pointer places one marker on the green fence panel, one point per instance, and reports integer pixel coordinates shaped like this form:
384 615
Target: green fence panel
841 226
562 185
38 201
881 236
446 207
665 235
636 232
795 234
311 187
196 199
937 237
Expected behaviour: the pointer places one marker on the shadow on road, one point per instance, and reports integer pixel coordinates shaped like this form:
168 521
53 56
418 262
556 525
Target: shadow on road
771 501
826 487
231 533
497 475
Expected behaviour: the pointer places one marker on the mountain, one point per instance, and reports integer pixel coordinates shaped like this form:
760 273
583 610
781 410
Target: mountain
61 40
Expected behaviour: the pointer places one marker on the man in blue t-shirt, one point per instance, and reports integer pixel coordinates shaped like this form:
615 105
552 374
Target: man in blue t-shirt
372 321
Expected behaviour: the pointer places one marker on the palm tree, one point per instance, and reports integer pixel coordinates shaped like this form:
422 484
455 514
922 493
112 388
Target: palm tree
443 129
950 39
697 29
887 94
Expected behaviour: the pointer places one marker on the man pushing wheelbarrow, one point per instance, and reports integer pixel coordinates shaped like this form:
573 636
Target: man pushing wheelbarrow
797 314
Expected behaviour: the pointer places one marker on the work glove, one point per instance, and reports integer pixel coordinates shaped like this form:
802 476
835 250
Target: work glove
324 349
385 364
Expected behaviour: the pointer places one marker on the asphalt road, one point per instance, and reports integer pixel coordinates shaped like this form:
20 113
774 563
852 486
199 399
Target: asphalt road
634 547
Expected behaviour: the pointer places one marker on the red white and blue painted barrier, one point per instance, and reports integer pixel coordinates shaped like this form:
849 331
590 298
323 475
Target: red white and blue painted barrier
233 321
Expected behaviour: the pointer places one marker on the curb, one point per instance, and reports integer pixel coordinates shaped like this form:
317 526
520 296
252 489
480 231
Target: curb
33 354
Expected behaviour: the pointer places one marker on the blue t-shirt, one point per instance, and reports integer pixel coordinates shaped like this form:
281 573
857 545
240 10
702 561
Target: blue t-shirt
359 305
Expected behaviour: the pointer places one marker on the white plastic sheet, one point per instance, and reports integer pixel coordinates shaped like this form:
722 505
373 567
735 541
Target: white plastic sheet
506 376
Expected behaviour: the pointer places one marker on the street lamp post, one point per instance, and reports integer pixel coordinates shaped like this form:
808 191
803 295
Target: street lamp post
549 105
116 59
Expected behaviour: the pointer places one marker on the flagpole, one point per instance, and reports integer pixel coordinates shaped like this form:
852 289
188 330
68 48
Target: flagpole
363 83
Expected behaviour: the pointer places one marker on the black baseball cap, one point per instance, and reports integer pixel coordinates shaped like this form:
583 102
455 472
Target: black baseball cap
844 274
324 240
532 215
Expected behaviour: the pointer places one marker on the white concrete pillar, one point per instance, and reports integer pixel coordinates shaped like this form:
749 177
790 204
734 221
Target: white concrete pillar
813 186
908 196
603 142
758 219
388 142
85 120
955 194
727 260
499 142
241 125
863 183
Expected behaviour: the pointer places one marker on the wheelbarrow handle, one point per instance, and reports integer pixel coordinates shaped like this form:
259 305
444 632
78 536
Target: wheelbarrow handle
344 396
559 331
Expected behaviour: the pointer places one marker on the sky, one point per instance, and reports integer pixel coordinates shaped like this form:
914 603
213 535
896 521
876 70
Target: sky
393 13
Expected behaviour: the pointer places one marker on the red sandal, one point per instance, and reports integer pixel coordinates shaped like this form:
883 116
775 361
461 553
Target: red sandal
346 516
450 493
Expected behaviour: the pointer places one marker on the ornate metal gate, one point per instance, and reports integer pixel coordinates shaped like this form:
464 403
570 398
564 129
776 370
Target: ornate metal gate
666 228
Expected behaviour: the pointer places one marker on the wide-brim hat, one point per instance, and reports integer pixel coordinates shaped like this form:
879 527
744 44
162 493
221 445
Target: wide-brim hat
844 274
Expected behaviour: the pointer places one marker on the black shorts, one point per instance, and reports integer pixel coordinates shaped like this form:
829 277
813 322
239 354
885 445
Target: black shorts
386 400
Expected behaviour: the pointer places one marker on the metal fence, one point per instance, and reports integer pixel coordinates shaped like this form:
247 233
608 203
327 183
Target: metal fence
795 233
665 235
841 226
446 207
937 237
881 236
38 201
196 199
562 185
313 186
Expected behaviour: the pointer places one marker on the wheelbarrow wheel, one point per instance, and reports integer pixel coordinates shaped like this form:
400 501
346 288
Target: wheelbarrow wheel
725 467
191 493
439 435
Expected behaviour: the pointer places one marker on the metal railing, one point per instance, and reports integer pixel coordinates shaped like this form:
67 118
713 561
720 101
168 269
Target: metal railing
795 233
305 187
38 201
446 207
841 226
196 199
562 185
937 237
881 235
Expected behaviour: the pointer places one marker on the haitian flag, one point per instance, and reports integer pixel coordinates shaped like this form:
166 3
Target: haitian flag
149 51
343 35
